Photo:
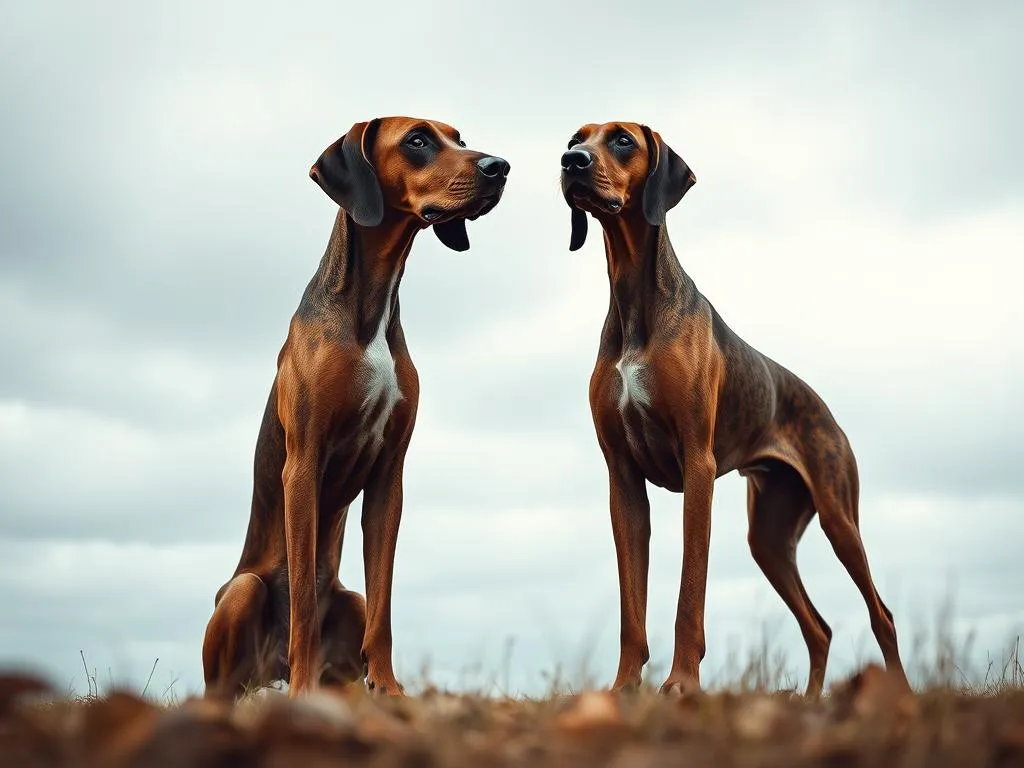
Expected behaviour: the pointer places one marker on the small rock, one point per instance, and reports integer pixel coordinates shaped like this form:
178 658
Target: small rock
757 718
114 727
15 686
592 711
381 727
873 693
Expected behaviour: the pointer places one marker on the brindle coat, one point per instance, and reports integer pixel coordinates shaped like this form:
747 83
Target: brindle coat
678 399
339 418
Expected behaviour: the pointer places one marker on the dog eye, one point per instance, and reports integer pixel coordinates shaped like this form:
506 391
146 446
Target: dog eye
624 141
462 143
573 142
416 140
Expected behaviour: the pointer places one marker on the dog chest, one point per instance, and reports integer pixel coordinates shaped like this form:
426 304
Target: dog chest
380 382
633 398
648 439
633 386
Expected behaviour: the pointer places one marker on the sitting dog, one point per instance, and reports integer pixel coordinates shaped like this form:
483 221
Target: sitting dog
339 418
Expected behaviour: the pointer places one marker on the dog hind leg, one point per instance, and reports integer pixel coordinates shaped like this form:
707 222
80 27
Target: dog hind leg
235 636
342 638
779 508
836 498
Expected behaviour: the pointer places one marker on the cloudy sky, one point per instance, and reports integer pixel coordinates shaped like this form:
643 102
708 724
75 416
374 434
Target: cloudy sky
859 217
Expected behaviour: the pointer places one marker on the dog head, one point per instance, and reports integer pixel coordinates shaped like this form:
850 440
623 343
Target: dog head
618 169
417 168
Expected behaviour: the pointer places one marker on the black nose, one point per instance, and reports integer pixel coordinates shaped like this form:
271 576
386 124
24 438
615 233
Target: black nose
576 160
493 167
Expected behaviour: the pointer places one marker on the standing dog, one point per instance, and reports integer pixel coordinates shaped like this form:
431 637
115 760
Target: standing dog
339 418
678 399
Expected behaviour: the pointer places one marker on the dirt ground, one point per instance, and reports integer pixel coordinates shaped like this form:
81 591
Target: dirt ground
866 721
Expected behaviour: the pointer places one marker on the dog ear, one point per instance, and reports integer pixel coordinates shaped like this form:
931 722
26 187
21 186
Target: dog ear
453 234
668 179
345 173
579 229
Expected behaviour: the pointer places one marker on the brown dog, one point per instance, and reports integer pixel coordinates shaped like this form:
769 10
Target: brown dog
339 418
678 399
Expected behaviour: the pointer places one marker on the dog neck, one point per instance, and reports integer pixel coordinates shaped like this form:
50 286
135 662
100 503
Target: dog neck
645 276
358 277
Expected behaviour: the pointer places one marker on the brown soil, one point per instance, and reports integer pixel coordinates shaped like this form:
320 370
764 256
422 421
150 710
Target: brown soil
866 721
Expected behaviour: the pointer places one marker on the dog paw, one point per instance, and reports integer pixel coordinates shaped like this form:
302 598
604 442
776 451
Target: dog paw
630 685
682 686
385 687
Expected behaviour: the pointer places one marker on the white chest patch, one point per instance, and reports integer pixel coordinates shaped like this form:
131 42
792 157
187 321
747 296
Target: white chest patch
634 390
382 390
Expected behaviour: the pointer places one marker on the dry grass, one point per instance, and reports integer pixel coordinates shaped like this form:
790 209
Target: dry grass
955 719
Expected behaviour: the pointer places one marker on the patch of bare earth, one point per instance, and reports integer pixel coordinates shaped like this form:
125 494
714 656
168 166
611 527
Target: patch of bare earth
866 721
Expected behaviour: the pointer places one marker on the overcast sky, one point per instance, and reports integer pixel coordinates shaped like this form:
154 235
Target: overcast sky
858 216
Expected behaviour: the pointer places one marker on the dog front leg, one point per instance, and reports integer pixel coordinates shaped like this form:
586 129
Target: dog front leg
631 529
382 514
300 522
698 486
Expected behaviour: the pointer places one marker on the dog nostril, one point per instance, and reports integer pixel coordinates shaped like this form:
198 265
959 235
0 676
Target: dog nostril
576 160
492 167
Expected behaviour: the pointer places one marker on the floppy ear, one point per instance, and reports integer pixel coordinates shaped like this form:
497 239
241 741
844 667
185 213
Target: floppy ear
579 229
345 173
453 234
668 179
